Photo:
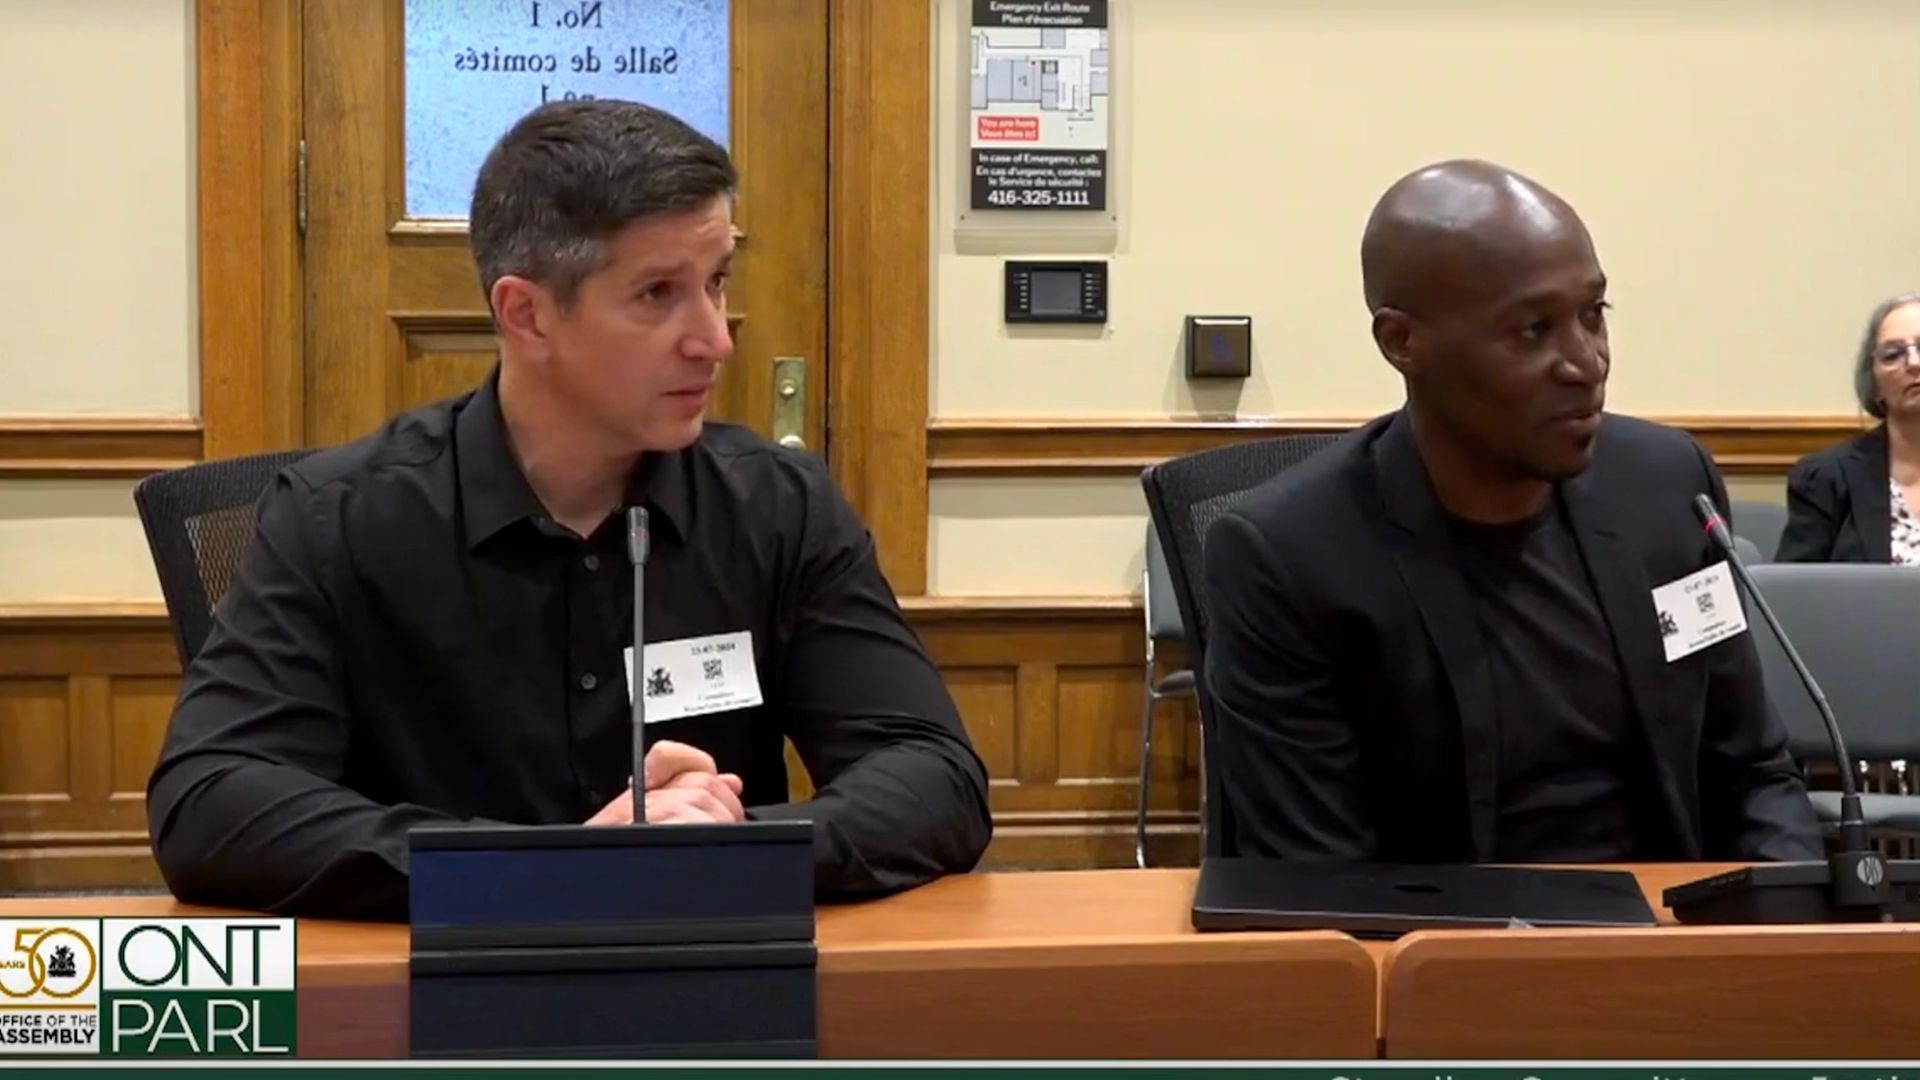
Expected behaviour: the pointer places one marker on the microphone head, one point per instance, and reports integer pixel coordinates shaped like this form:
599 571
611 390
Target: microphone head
637 536
1716 526
1704 509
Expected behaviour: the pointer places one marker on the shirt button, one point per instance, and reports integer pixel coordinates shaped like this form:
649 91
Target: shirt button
589 681
591 562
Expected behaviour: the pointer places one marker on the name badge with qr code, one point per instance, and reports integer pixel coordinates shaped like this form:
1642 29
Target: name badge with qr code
696 676
1699 610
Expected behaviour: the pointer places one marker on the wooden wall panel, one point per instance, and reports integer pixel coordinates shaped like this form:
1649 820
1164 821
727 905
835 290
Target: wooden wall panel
95 446
247 58
84 696
33 746
75 752
985 697
137 716
1036 732
445 355
90 751
1099 728
1049 691
879 268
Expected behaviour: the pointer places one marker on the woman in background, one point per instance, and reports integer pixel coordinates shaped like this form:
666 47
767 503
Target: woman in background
1857 501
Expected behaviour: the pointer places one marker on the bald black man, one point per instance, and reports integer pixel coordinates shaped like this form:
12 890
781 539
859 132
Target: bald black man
1487 627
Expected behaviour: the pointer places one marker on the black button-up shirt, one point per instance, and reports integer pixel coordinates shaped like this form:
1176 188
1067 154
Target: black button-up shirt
413 641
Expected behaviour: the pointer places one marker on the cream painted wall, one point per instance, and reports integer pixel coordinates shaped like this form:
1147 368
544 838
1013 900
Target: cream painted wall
97 267
1757 489
96 206
1035 537
72 540
1066 537
1744 167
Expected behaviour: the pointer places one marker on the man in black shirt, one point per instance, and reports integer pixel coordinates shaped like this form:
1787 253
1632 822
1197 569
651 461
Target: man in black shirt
1439 639
1568 765
431 625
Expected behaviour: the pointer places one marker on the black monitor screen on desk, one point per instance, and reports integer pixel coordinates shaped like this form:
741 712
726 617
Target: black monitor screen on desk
1056 292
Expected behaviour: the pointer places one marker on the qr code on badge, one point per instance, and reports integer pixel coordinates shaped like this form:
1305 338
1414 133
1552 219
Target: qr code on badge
712 669
1704 602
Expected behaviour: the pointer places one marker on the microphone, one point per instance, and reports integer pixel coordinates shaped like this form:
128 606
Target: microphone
1855 875
637 539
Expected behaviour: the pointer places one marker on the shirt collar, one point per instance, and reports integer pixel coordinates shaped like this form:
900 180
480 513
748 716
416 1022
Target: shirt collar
663 485
494 492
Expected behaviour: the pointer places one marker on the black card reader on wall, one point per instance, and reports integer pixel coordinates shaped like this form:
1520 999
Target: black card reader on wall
1056 292
1219 346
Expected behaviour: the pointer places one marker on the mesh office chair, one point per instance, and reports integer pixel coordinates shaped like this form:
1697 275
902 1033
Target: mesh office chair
1162 626
1185 496
1760 522
199 523
1856 626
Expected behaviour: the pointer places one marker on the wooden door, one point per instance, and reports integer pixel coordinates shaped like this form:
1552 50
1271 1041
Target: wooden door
394 313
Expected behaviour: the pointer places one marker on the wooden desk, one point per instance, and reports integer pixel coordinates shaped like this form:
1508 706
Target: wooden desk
1104 964
1674 992
1070 964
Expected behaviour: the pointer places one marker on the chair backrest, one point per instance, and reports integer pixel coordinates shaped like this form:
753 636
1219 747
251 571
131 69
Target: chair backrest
199 524
1760 522
1163 610
1856 626
1749 554
1185 496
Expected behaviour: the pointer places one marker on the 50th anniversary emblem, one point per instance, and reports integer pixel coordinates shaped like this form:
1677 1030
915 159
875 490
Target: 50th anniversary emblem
49 987
147 987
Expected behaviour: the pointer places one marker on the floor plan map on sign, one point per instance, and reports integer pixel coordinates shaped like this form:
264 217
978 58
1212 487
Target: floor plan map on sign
1039 122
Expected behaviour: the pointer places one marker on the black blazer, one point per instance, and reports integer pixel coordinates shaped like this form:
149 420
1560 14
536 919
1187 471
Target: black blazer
1838 509
1346 677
